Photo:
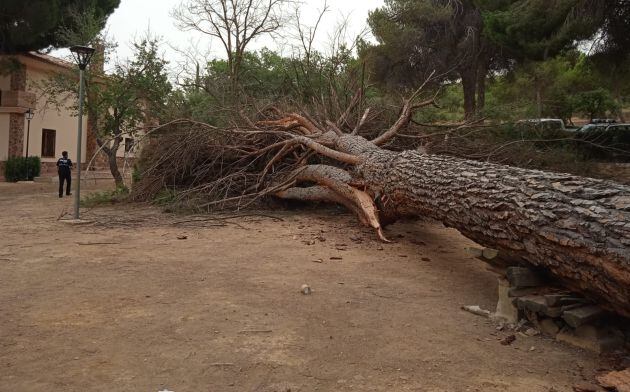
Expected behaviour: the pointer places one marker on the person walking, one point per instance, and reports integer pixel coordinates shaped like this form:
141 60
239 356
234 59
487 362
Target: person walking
64 164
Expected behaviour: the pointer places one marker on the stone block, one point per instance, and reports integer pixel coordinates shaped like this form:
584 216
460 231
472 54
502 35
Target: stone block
22 99
538 304
592 338
520 292
582 315
523 277
506 310
489 253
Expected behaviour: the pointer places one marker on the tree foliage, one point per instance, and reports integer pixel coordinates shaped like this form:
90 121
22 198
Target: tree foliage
416 38
36 24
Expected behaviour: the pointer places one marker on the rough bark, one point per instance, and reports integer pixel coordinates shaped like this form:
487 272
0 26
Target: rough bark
469 85
112 161
576 228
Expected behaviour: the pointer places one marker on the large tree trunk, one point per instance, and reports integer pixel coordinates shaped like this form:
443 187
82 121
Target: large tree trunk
482 71
113 168
469 85
576 228
110 151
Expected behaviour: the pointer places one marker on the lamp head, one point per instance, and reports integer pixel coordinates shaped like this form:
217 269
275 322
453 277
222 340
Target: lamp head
30 113
82 55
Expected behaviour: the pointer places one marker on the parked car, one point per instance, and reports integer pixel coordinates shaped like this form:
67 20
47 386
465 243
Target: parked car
593 126
603 121
605 141
542 123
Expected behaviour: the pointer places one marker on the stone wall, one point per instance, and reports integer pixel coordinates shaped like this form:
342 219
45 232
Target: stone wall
18 79
16 134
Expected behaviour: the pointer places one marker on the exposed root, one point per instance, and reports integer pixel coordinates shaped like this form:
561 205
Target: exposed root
289 155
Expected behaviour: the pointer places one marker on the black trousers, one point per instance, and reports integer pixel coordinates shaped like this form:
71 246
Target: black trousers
68 179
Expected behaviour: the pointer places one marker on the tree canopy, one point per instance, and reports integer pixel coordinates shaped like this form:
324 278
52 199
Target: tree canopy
539 29
416 38
35 24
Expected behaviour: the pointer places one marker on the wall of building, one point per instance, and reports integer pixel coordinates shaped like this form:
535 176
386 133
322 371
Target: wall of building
5 82
62 120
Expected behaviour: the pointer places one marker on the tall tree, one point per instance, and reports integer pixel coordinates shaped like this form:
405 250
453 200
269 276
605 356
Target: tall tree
537 30
35 24
235 23
123 102
417 37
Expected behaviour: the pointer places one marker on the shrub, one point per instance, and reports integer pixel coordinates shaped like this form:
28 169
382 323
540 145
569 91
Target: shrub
15 168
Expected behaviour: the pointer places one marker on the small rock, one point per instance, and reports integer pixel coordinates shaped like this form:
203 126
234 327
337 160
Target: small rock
549 327
425 259
619 380
508 340
532 332
182 237
317 261
306 289
585 387
532 348
336 258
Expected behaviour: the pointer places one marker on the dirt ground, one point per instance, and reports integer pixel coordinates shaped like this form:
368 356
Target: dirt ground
122 304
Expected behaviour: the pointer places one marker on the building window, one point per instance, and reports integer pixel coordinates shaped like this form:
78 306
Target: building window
48 143
128 144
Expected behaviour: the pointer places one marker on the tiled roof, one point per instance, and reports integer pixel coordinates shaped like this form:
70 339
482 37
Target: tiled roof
51 59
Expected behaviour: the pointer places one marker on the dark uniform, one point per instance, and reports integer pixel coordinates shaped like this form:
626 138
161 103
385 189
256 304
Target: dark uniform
63 168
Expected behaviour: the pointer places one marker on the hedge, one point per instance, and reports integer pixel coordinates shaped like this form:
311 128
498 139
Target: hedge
16 167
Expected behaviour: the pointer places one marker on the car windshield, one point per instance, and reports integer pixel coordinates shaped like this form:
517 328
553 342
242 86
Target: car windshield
590 127
620 127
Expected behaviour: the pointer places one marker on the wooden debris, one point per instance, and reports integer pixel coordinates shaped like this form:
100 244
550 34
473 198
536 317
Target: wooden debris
98 243
246 331
475 309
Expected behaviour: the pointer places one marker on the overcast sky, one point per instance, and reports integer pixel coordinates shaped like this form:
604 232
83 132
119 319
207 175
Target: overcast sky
134 18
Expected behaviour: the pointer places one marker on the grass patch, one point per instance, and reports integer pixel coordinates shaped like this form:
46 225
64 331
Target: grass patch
104 197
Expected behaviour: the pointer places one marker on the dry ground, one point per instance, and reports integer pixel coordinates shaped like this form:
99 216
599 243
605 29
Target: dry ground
124 305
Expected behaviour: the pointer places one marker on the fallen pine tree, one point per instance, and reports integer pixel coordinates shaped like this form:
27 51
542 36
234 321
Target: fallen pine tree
578 229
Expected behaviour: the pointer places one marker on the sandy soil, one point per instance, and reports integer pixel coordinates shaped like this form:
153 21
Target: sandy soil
122 304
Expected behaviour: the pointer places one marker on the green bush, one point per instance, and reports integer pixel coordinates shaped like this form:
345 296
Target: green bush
16 168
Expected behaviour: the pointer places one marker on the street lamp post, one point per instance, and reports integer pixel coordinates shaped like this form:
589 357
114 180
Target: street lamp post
29 116
82 56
